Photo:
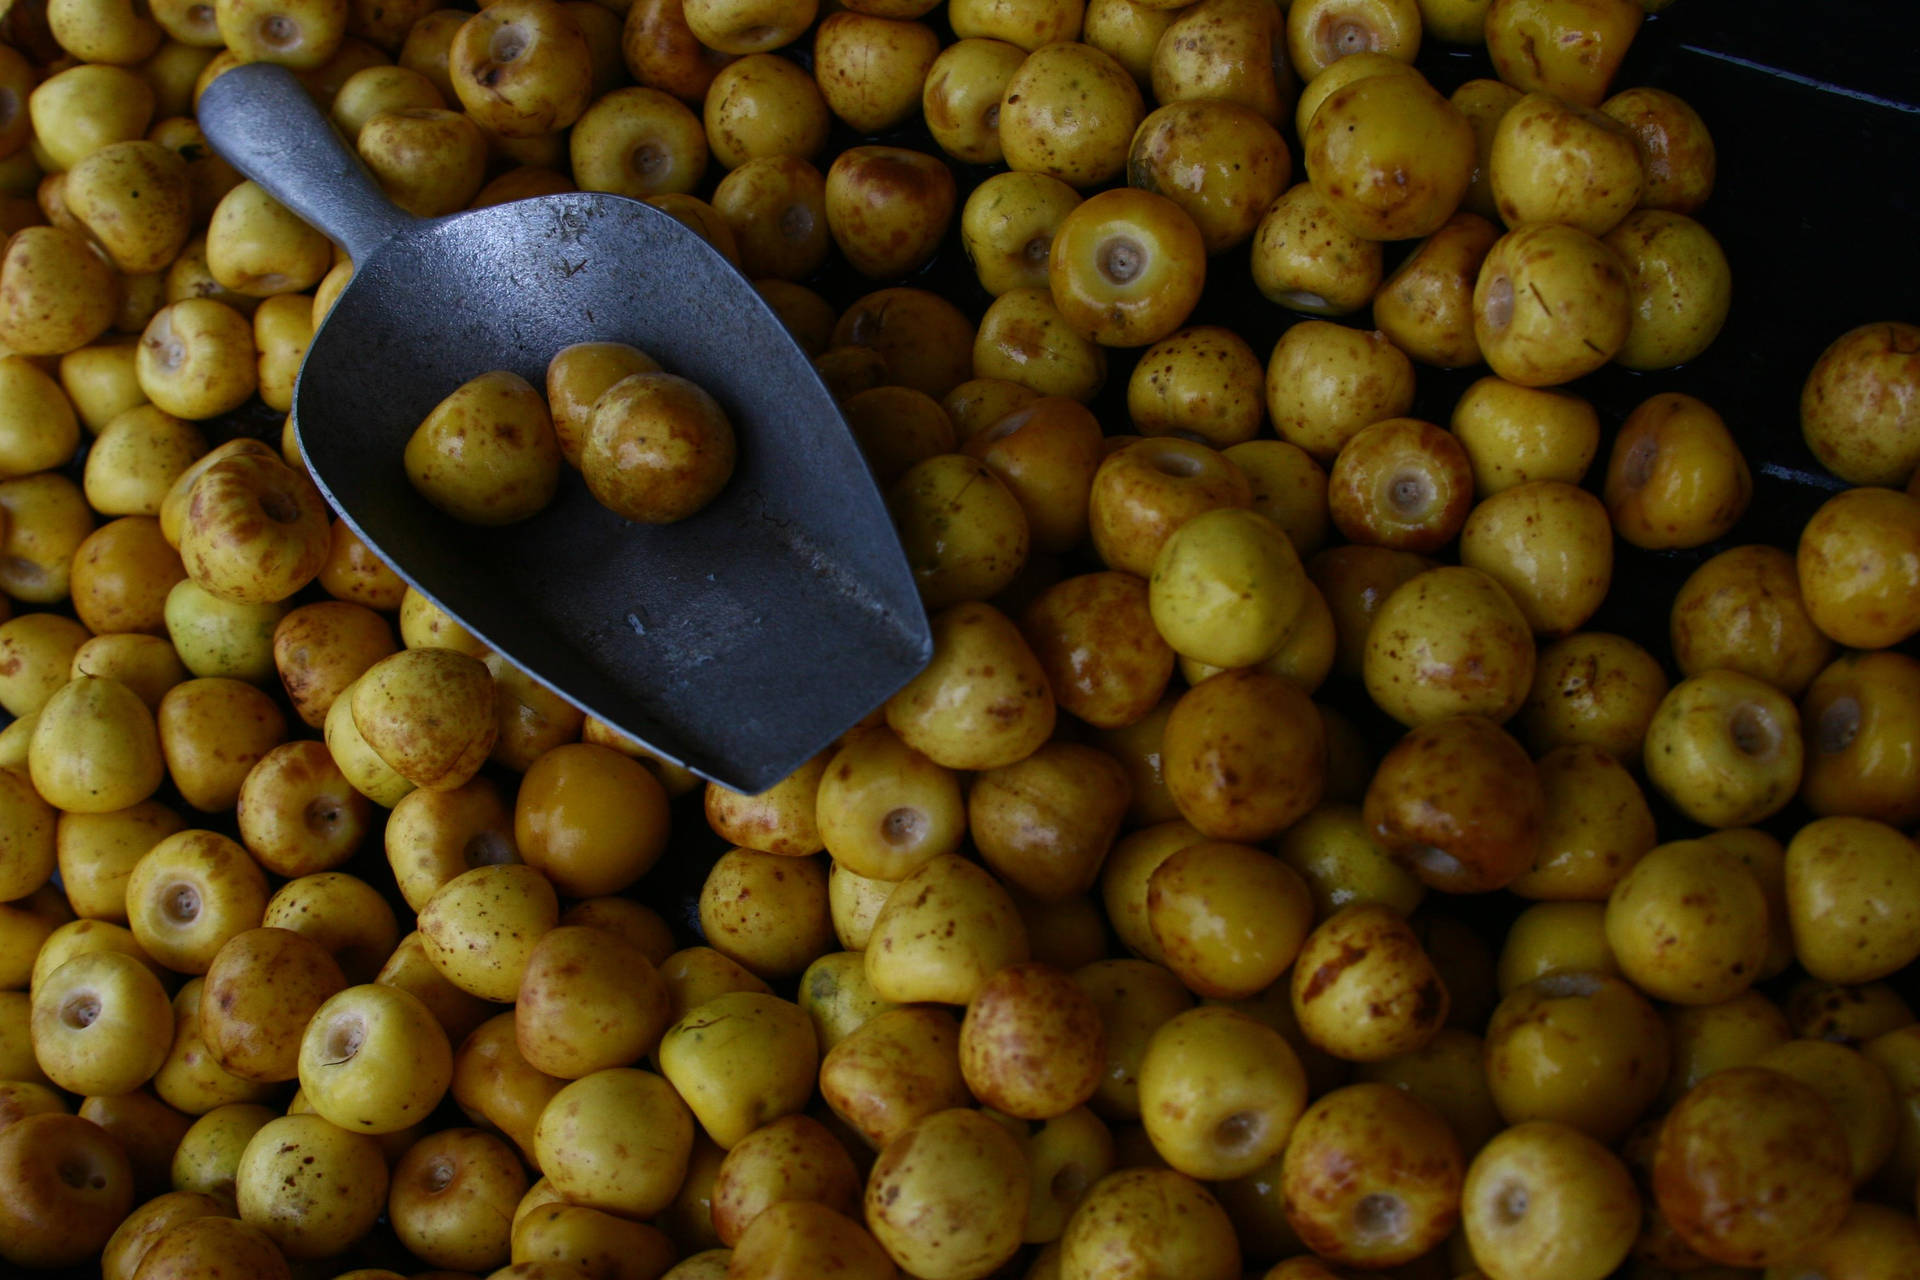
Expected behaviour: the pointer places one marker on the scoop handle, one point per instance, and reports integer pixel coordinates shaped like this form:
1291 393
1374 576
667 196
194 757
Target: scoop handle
260 118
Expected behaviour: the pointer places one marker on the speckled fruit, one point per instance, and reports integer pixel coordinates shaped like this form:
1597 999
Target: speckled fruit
1750 1166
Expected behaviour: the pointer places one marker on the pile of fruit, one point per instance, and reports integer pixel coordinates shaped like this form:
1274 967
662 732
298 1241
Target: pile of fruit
1275 871
654 447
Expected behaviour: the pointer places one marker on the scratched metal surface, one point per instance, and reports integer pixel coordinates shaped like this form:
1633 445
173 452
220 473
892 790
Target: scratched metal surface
739 641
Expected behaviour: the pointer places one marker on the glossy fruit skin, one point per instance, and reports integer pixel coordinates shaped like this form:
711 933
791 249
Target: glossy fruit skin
965 532
480 927
1725 748
948 1197
1129 32
1863 749
737 1060
778 820
588 1002
1596 826
56 295
1303 260
888 207
49 1221
1750 1166
1219 1092
1372 1176
763 105
1146 489
1046 453
1676 477
658 448
1514 434
1766 858
1070 112
1545 1199
1742 610
1126 267
1340 73
1449 1074
1227 588
792 1158
1232 50
1323 32
427 714
1203 381
262 983
255 531
1363 988
1135 997
1023 338
1483 102
1336 856
1027 25
1149 1222
1126 881
1007 224
767 912
430 161
1706 1038
1426 305
1860 406
1859 562
948 929
1688 923
1570 50
191 892
871 69
1218 160
1551 304
1677 150
576 377
1679 288
1578 1048
1325 382
960 97
1045 824
618 1140
800 1238
592 820
1849 899
1032 1044
1245 755
983 700
140 232
1451 642
98 1023
1460 800
884 809
256 247
1552 162
310 1185
1392 157
1228 918
899 1066
1555 937
1859 1091
1550 545
398 1061
1401 483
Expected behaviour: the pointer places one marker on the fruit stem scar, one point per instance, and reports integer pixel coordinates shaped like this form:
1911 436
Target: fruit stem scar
1122 259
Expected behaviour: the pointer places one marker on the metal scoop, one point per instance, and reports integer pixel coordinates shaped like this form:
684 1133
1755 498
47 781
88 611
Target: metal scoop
737 642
